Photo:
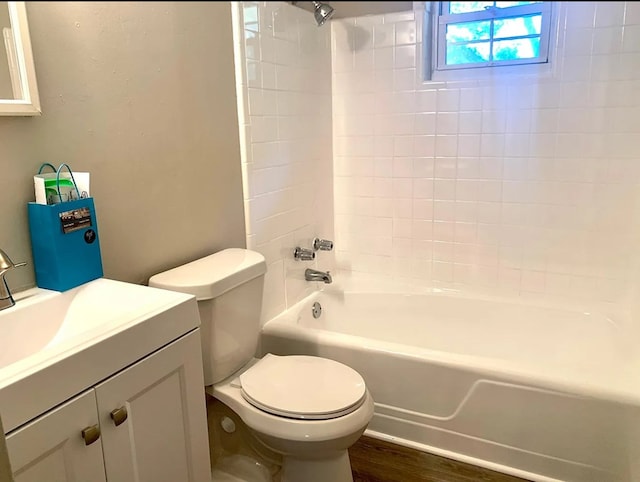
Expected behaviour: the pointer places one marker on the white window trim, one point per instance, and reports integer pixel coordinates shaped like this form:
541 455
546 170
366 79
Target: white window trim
428 14
444 19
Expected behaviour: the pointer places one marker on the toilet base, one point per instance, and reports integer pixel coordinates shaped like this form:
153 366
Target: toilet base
336 468
239 468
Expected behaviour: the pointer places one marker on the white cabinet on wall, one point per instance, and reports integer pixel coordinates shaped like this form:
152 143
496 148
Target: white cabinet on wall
145 423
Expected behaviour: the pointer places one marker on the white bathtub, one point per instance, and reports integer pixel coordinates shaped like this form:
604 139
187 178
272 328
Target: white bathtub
535 391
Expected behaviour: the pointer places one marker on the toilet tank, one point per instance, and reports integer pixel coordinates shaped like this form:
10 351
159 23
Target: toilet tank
228 286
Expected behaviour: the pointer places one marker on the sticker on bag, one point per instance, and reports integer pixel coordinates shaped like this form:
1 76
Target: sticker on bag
75 219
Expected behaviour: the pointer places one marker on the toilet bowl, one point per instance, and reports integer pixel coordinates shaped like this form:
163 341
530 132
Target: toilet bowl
308 409
312 432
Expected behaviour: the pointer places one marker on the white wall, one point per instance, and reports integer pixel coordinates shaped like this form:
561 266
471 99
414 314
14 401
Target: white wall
283 64
517 186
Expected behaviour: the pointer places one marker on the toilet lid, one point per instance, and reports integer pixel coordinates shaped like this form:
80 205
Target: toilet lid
303 387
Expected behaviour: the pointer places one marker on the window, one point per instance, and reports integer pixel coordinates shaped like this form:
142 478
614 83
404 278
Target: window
491 34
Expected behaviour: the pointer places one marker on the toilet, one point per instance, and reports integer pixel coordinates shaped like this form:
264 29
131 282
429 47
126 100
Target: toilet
307 408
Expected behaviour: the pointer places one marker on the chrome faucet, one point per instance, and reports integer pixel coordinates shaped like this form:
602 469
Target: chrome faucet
313 275
304 254
6 300
323 244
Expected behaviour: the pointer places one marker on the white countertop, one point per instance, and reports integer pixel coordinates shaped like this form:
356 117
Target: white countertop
83 336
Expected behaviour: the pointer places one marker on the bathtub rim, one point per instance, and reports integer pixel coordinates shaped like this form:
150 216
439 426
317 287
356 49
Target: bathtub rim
619 390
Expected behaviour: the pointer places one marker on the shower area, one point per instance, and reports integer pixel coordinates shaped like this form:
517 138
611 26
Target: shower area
520 189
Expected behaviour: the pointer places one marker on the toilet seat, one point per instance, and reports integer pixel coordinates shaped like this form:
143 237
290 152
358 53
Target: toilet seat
303 387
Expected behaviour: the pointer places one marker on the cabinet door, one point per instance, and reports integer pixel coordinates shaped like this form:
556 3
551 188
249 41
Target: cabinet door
153 417
52 446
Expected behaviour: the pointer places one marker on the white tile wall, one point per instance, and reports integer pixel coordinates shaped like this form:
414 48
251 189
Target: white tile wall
284 93
517 185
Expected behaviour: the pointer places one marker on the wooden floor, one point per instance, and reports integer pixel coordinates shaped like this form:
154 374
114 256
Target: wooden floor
374 460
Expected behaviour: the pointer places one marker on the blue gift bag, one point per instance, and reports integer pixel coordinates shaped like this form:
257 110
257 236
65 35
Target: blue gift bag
65 243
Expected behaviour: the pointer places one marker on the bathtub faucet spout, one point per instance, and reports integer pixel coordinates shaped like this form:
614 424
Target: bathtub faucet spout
313 275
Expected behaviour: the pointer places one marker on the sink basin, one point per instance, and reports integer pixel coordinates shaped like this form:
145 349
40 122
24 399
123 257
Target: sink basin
56 344
43 319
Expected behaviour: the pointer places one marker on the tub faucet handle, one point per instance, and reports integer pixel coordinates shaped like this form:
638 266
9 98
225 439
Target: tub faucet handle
304 254
323 244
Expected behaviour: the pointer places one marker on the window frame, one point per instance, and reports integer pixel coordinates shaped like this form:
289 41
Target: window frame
443 19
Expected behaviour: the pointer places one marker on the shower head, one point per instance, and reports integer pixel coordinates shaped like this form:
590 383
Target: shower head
322 12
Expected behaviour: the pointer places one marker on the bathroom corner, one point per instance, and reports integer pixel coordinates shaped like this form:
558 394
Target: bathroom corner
284 86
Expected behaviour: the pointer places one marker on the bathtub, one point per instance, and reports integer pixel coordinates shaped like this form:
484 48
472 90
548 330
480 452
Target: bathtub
540 391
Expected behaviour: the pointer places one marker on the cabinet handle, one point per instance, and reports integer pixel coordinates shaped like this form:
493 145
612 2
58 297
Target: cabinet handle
91 434
119 415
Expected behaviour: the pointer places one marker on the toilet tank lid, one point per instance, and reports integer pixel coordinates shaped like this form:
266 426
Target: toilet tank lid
212 275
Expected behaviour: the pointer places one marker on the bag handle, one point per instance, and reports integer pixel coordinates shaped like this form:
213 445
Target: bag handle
46 164
58 179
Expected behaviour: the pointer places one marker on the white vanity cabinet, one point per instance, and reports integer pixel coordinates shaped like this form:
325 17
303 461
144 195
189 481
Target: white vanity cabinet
51 447
152 426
